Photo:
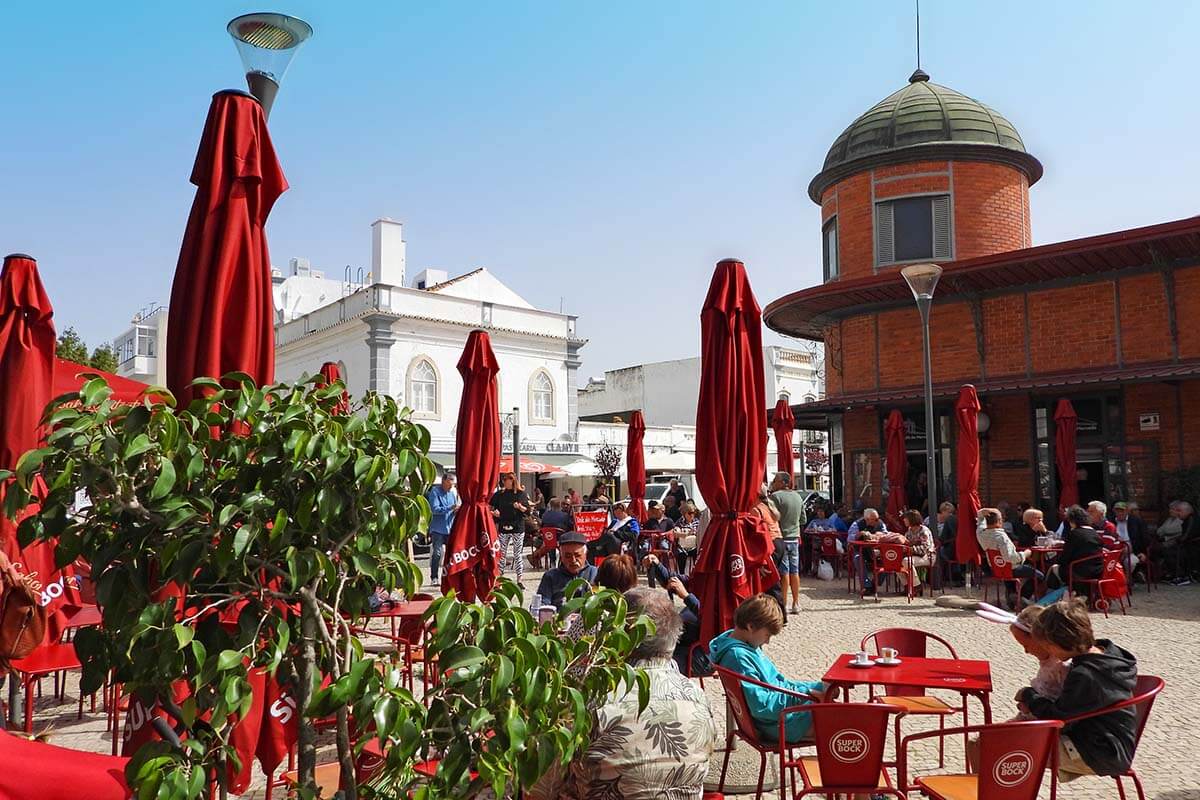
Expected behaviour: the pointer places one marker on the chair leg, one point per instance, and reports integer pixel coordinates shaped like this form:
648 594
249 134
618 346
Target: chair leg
1120 787
941 742
762 774
725 763
1137 783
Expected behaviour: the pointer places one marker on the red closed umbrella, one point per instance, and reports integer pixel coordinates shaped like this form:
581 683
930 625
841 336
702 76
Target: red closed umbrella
897 465
49 772
472 566
1065 422
222 317
783 423
734 562
331 373
27 345
966 411
635 465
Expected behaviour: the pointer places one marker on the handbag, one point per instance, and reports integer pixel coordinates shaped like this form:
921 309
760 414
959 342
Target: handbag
22 622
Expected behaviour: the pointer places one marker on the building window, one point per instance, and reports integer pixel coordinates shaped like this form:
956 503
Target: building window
829 248
423 388
913 229
541 398
486 314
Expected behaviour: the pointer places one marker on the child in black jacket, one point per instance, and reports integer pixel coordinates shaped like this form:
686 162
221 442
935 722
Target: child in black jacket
1101 675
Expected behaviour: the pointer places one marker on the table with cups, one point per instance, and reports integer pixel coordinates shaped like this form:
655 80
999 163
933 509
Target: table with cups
968 677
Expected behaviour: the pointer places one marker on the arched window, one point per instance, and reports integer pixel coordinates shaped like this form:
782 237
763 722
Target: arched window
423 388
541 398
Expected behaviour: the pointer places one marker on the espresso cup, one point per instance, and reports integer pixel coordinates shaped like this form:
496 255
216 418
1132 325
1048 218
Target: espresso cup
889 653
862 657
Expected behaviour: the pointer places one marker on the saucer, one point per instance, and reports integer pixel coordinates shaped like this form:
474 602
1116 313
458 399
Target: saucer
887 662
860 664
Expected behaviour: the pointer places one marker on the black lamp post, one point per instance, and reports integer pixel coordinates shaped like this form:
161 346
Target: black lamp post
266 44
922 279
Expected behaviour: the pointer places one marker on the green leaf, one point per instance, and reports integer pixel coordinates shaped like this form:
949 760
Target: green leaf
140 444
228 659
184 635
459 657
386 710
242 540
165 481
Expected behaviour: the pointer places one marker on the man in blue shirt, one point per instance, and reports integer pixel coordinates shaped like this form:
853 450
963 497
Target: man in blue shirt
443 502
572 564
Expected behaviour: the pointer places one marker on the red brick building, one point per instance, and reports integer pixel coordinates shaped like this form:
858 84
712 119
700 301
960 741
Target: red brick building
1111 322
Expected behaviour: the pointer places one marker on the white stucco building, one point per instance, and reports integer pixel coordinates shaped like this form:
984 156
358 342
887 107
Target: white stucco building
141 348
404 337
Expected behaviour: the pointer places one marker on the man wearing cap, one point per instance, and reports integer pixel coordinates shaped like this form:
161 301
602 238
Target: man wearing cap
572 564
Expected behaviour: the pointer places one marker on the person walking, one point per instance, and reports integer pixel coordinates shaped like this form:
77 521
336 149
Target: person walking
791 521
443 504
509 507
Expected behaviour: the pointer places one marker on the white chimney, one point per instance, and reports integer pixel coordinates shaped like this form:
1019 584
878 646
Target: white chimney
387 252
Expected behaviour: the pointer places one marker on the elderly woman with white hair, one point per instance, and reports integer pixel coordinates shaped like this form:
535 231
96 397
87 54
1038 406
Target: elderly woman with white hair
629 757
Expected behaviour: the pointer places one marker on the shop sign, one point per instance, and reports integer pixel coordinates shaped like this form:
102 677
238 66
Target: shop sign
1011 463
1149 422
591 523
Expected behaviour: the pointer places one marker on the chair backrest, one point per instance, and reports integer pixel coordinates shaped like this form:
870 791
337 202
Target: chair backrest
908 643
1145 689
999 566
829 543
409 629
850 739
739 709
889 556
550 536
1013 758
1112 560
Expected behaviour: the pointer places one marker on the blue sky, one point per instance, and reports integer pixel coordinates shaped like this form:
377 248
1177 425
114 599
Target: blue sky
599 155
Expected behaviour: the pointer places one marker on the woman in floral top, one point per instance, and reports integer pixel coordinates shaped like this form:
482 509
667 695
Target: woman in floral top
920 539
661 753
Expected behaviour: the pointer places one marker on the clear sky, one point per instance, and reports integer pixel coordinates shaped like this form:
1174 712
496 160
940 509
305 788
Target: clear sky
601 155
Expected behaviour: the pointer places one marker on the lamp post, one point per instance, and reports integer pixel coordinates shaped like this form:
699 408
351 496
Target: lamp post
267 43
922 280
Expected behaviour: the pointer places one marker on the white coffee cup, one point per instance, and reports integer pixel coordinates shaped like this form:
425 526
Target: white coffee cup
889 653
862 657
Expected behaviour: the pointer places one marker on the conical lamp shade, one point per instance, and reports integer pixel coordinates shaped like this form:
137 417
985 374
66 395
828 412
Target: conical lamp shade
267 43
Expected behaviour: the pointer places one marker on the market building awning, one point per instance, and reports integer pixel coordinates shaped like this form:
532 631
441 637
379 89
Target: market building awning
804 314
670 462
566 464
1067 381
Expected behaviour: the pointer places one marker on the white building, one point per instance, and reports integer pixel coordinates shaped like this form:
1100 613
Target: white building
404 337
141 349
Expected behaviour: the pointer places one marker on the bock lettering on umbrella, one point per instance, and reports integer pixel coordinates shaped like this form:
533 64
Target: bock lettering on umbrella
737 566
469 553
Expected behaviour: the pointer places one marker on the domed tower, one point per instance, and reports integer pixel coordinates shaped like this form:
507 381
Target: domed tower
927 174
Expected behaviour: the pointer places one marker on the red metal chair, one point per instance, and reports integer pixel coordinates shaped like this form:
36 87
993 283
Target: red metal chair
744 729
691 659
890 559
1145 690
1013 759
827 550
549 545
1001 576
850 739
1110 561
47 660
912 700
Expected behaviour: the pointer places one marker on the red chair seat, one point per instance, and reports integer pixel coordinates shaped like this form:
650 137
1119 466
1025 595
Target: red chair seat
950 787
921 704
812 773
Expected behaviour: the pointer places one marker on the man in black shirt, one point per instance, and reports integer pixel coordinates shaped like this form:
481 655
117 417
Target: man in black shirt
572 564
671 510
678 493
509 507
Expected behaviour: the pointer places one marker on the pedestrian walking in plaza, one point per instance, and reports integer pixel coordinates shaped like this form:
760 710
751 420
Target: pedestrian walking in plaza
509 507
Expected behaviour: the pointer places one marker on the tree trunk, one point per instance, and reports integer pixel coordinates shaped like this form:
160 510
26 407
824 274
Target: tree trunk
307 766
346 755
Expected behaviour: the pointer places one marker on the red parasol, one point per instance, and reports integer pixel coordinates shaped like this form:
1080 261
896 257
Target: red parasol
27 347
222 314
70 377
472 566
527 467
966 410
783 423
734 562
897 465
635 465
49 772
1065 422
330 373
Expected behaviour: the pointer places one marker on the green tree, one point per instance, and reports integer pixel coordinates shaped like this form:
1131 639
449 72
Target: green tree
104 358
72 347
215 554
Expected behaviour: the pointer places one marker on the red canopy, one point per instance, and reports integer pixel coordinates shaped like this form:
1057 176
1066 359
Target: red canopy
471 563
966 411
331 373
1065 422
222 314
783 423
49 772
897 466
27 346
528 467
635 466
734 562
70 377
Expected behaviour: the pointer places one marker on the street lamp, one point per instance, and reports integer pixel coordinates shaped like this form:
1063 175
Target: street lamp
922 279
266 44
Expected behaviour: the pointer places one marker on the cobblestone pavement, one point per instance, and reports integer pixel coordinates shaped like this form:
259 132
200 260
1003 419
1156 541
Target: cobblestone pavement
1162 630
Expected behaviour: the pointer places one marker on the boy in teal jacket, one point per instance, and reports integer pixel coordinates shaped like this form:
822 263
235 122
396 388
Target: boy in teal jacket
740 650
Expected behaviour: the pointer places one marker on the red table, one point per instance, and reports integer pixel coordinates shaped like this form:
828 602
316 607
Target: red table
408 609
965 676
85 617
1039 556
46 660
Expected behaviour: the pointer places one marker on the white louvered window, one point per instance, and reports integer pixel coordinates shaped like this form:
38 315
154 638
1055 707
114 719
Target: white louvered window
913 229
423 388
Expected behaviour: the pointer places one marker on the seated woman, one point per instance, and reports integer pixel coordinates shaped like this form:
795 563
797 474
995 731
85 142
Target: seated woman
677 585
686 532
740 650
920 539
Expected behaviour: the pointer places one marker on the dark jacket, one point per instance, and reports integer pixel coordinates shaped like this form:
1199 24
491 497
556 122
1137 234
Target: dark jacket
554 583
556 518
1081 543
1023 535
1095 680
505 502
607 544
